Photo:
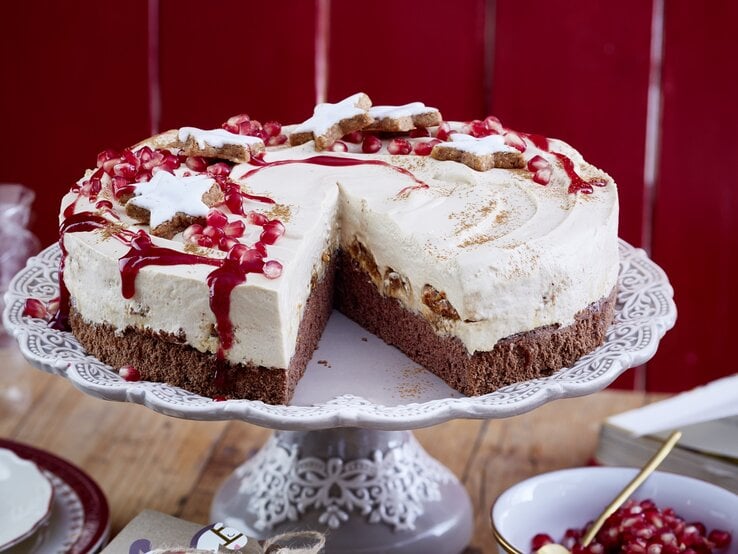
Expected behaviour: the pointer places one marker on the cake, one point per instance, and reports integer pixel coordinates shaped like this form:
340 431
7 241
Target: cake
212 259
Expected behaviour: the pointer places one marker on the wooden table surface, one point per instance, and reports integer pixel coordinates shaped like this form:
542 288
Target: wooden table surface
144 460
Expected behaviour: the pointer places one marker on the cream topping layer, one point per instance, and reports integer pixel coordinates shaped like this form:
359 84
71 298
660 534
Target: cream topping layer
509 254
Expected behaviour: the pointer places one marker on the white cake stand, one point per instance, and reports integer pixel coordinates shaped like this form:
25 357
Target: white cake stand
342 459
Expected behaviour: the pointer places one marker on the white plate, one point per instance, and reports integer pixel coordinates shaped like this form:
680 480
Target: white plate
25 498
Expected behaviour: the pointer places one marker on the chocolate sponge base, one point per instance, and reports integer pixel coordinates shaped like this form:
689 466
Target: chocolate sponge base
520 357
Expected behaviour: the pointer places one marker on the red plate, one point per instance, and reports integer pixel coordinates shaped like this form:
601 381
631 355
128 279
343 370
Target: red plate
80 518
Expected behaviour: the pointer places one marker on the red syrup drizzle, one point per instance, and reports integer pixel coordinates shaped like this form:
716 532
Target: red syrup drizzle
229 273
576 183
73 223
336 161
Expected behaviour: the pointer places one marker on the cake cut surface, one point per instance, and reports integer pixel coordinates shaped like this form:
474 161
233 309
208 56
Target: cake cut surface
208 261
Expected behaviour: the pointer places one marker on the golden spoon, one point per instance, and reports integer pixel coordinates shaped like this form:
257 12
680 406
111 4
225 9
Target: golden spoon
631 487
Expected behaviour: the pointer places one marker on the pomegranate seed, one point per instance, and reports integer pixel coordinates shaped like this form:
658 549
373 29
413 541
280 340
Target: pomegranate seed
216 218
125 169
700 527
478 129
144 155
104 205
237 119
494 125
515 140
249 128
194 229
539 162
255 218
338 146
272 231
234 202
419 132
35 308
249 259
107 155
540 540
91 187
215 233
196 163
220 168
260 247
237 251
355 137
443 131
596 548
719 538
426 147
272 269
276 141
226 243
169 163
203 240
272 128
121 186
130 157
371 144
234 229
129 373
399 146
542 176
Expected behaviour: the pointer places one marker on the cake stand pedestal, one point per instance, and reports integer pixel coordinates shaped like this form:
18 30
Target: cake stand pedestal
370 491
343 460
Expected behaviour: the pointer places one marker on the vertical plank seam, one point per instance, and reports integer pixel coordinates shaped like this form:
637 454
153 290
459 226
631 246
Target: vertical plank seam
652 148
154 67
322 43
653 123
488 43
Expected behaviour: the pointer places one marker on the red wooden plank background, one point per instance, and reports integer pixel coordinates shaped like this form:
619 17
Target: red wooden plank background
695 235
236 57
77 79
74 78
399 52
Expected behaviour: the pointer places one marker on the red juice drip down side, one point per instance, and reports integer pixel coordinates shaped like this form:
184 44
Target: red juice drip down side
75 223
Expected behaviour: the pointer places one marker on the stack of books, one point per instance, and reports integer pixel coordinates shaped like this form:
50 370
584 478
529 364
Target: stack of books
708 419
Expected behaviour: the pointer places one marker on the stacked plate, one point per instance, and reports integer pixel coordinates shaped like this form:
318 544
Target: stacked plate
47 505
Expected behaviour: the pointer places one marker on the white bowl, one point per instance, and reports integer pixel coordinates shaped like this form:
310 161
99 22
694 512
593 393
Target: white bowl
25 498
553 502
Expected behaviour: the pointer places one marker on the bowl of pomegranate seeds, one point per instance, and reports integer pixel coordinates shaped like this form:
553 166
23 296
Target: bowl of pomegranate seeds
668 514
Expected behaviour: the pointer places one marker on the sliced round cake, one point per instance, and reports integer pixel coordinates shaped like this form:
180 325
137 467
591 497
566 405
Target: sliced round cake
211 259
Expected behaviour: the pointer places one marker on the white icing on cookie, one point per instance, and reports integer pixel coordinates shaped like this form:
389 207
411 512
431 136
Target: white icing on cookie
327 115
406 110
479 146
166 195
217 138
